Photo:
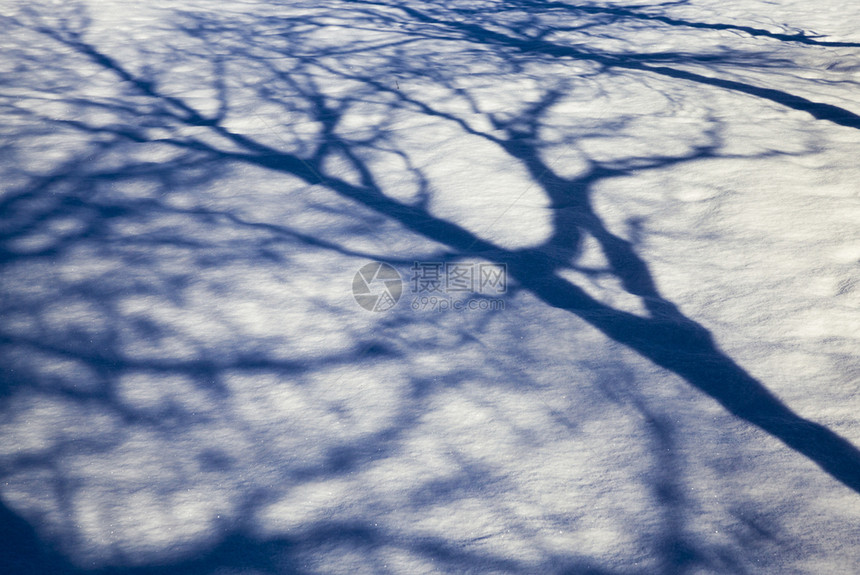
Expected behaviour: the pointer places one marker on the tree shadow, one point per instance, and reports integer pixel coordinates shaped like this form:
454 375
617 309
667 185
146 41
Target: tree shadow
311 82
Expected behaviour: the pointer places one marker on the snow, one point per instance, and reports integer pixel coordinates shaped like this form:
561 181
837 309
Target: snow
668 385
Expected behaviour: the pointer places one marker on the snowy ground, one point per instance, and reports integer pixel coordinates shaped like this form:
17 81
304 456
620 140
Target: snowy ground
668 384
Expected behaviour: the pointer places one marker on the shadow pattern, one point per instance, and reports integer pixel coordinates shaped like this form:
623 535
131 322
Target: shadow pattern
148 135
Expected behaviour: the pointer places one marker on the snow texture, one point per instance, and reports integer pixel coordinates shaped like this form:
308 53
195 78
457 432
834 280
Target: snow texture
667 384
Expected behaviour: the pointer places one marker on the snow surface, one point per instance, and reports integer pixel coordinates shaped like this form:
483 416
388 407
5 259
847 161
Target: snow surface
189 386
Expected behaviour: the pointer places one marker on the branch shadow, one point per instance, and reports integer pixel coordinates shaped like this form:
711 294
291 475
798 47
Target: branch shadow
665 336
